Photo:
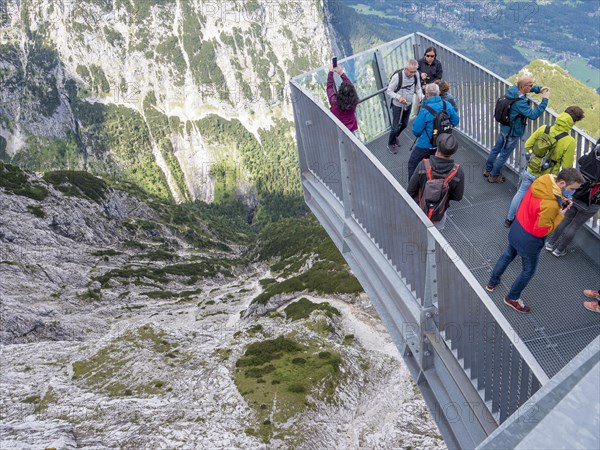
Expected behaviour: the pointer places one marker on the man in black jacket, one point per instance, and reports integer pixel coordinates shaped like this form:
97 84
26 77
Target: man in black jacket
442 165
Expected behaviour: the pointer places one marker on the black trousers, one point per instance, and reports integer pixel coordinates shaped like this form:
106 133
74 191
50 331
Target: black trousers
400 118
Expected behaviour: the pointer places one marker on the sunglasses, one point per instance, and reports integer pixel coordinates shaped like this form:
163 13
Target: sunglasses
430 56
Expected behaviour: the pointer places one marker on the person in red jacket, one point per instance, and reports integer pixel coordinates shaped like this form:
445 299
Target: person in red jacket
540 212
343 103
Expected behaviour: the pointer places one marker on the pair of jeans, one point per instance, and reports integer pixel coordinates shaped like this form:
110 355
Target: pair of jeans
529 262
503 148
575 217
415 158
400 118
527 178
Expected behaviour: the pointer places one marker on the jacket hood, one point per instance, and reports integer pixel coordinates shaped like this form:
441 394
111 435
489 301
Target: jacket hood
546 188
437 100
441 165
512 92
564 123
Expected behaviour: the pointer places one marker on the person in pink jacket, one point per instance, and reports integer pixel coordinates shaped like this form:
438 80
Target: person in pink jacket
343 103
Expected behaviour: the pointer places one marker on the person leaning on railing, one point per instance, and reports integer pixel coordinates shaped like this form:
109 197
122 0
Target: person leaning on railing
343 103
509 135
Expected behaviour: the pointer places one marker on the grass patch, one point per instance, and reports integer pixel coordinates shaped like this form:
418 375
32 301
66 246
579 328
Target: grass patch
304 307
283 372
109 252
46 401
75 183
15 182
112 370
37 211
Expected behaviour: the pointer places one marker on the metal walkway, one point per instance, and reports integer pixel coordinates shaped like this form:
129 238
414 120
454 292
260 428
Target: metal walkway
482 368
558 327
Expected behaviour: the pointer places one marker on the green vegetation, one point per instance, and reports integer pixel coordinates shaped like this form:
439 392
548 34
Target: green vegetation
108 252
48 154
304 307
168 52
566 91
119 135
162 128
287 244
37 211
110 370
192 271
78 184
581 70
48 398
279 374
15 181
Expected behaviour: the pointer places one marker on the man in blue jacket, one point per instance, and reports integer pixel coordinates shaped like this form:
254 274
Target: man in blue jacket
509 135
423 126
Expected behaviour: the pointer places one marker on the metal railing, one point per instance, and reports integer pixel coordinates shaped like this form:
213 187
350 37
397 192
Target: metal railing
475 88
394 250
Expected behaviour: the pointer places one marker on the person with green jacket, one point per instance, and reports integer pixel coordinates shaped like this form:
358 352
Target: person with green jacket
563 156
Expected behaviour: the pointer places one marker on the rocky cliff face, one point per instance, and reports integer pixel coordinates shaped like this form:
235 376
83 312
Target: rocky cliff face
72 72
123 325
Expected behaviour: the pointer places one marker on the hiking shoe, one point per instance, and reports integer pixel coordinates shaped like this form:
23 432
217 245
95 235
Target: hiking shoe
590 293
517 305
489 287
498 179
508 223
549 247
592 306
393 149
486 173
558 252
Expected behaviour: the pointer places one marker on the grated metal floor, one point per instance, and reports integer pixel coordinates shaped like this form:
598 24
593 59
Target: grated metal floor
558 327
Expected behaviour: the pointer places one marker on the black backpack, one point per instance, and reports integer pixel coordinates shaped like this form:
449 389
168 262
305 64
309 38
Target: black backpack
441 123
399 86
589 164
433 198
502 110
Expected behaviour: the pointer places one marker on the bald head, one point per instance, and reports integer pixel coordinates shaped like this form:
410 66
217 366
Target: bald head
525 83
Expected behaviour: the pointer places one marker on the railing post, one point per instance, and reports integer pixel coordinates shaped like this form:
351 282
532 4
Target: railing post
346 149
381 77
428 308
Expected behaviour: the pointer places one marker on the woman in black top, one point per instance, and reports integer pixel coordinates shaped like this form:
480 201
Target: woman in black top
430 68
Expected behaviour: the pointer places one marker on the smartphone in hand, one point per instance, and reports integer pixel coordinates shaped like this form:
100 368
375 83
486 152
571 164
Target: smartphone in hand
334 62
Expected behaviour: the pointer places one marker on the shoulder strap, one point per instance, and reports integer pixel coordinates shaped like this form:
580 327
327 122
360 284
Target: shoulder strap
430 109
558 137
451 174
547 129
428 169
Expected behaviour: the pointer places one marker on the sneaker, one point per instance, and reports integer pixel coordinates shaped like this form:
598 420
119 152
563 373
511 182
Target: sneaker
558 252
549 247
486 173
592 306
517 305
590 293
393 149
489 287
498 179
508 223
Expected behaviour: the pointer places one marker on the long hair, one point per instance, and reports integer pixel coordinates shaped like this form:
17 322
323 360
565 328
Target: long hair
431 49
347 98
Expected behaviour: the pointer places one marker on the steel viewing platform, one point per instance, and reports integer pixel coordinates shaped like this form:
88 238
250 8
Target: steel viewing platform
491 377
